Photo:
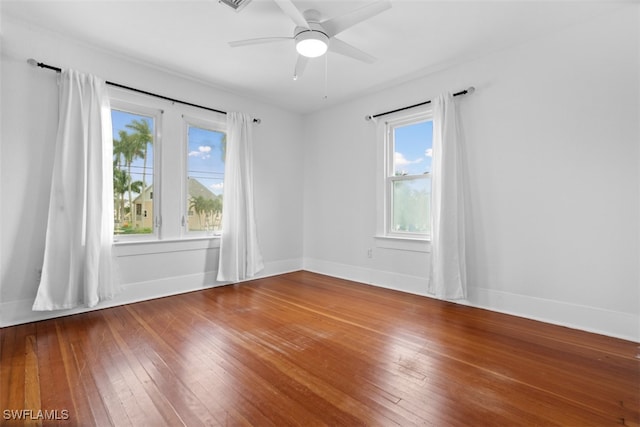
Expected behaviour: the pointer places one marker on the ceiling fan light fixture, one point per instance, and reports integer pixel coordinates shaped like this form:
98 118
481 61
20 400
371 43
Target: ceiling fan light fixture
312 43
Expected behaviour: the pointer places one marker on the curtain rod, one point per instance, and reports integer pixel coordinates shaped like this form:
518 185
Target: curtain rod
470 90
35 63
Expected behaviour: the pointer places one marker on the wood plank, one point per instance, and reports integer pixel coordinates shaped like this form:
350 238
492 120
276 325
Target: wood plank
307 349
53 389
31 380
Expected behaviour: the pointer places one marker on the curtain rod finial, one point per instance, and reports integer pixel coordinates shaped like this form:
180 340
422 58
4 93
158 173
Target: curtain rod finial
368 117
32 62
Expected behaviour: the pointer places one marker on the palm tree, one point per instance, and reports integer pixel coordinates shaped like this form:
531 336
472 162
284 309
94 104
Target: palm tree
216 210
143 137
127 150
208 212
118 189
120 178
199 206
121 183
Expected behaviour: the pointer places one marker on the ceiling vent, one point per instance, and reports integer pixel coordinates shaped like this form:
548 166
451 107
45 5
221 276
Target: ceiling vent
236 5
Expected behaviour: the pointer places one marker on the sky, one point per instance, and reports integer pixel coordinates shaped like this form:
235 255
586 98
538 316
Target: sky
204 155
412 149
204 158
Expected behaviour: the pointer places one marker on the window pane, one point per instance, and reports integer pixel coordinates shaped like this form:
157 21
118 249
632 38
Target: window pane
410 212
205 179
132 172
412 148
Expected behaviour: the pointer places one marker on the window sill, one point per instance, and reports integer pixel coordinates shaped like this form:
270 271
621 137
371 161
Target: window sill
146 247
403 243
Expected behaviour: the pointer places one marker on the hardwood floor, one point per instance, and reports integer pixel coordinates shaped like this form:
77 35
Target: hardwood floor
306 349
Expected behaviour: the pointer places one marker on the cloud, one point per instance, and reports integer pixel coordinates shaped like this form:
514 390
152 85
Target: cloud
400 160
428 152
203 152
217 187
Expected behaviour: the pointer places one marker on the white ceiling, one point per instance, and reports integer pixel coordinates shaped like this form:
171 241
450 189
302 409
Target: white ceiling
411 39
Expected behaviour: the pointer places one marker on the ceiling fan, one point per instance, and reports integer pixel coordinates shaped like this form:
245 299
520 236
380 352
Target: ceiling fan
313 36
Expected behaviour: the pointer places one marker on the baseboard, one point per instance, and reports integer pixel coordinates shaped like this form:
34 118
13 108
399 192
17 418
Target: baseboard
274 268
384 279
591 319
19 312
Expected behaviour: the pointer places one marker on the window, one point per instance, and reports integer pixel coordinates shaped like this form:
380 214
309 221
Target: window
168 161
206 149
133 172
407 177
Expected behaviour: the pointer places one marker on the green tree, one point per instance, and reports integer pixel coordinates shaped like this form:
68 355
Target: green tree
126 149
199 206
208 212
142 138
216 211
121 183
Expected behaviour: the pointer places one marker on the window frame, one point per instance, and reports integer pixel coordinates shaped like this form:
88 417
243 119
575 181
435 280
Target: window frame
170 172
123 101
386 237
211 123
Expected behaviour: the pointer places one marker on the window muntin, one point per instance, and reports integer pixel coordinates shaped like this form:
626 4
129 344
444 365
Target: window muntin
205 153
409 143
134 137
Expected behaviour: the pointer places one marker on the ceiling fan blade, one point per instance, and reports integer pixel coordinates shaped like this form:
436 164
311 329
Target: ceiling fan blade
260 40
338 46
338 24
292 12
301 64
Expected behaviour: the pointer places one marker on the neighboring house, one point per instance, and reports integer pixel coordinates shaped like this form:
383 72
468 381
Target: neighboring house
196 221
143 211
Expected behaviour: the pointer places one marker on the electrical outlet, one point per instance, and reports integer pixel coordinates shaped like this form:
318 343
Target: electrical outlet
369 253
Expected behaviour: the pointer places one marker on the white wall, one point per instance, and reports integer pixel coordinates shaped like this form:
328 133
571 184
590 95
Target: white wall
552 136
552 142
29 121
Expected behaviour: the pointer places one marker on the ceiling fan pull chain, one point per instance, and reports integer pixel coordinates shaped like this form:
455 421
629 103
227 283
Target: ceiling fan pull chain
326 76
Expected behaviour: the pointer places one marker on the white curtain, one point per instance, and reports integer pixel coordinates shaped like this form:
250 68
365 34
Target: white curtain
77 267
240 256
448 269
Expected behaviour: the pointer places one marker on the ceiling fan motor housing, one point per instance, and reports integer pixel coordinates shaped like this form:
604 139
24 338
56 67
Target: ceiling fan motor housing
311 42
